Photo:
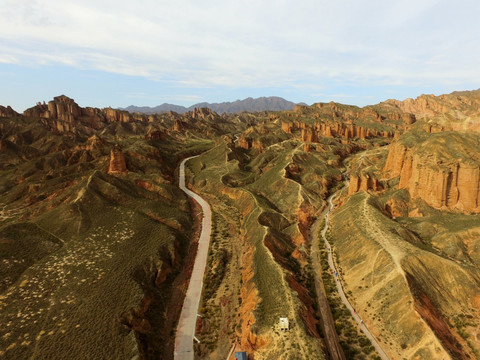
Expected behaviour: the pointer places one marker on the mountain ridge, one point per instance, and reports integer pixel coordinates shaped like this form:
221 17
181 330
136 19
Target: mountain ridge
270 103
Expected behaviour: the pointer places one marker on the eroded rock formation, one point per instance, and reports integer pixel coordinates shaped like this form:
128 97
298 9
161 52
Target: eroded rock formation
444 185
362 182
117 164
7 112
63 114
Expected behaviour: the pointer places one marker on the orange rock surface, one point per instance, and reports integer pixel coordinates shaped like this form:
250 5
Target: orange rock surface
117 162
363 182
449 186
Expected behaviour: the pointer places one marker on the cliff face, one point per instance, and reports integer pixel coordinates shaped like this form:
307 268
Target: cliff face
63 114
423 106
61 108
453 185
117 164
347 131
363 182
458 111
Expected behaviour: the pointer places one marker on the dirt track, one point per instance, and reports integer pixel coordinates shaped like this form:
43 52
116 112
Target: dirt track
328 324
340 290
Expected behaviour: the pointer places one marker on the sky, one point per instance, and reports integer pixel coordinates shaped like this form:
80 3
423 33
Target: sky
147 52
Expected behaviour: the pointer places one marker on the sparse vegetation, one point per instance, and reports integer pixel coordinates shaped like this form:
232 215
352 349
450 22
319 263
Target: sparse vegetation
354 343
100 246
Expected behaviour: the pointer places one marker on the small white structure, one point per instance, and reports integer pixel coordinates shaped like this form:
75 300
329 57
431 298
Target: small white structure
283 324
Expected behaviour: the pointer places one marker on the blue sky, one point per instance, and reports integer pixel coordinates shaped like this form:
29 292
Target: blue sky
118 53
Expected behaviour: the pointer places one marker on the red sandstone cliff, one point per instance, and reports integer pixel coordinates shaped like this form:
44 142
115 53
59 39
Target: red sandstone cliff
63 114
362 182
342 130
463 109
443 185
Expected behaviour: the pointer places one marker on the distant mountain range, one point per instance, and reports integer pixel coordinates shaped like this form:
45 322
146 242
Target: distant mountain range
272 103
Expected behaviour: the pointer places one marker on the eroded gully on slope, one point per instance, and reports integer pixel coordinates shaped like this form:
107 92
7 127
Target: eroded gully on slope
185 333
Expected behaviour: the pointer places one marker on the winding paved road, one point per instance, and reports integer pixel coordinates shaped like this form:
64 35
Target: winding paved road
340 290
188 318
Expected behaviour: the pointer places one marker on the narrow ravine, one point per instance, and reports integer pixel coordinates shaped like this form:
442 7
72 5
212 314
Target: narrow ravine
185 333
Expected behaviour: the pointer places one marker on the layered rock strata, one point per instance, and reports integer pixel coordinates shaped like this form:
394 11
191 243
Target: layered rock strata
362 182
454 185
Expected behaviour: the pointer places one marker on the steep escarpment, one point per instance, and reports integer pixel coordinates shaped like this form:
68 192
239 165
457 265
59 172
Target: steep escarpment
442 169
346 122
467 102
458 111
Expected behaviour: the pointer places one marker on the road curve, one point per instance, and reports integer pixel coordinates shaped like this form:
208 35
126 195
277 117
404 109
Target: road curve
185 333
340 290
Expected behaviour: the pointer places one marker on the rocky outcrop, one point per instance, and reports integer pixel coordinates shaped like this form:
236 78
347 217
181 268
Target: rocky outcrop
63 114
94 142
203 114
422 106
463 109
179 125
408 119
117 164
114 115
155 135
287 127
300 108
309 135
341 130
443 185
345 130
244 142
7 112
362 182
60 108
58 126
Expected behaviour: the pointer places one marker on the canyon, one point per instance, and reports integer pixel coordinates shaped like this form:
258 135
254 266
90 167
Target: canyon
98 242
